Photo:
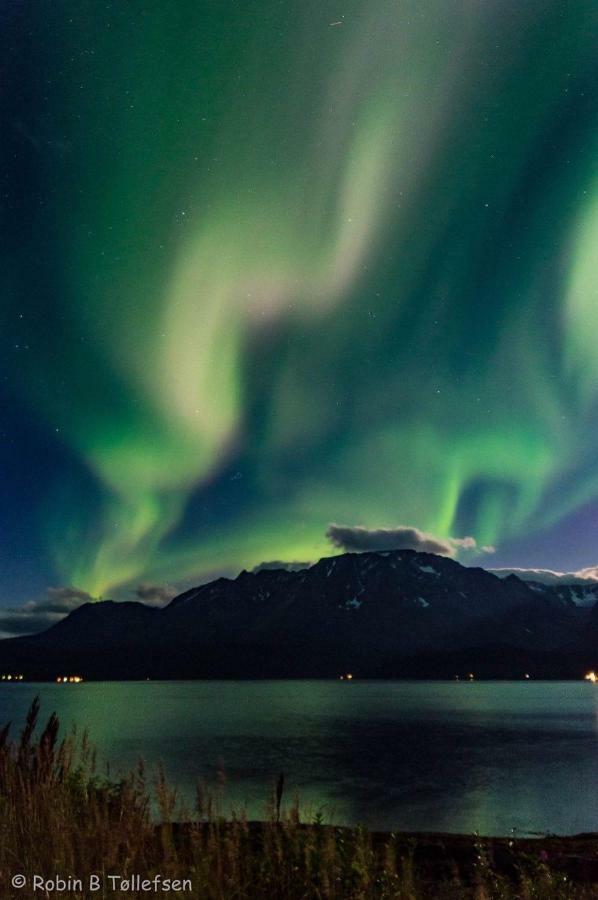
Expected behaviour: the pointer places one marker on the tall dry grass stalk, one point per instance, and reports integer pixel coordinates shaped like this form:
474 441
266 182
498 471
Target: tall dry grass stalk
58 816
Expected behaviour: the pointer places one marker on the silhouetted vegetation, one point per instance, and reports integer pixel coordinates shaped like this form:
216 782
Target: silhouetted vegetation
59 816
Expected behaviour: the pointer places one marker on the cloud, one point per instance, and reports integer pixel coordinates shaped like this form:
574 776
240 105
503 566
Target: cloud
466 543
548 576
356 538
279 564
38 615
62 599
155 594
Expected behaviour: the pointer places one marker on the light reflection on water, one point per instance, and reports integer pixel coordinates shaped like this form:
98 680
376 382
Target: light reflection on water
442 756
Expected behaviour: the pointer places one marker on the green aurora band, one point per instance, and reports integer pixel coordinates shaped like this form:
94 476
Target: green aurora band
337 257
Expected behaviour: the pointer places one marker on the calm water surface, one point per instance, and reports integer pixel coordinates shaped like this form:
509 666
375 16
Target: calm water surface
443 756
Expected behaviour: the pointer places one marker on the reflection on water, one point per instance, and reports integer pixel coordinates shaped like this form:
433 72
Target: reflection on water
439 756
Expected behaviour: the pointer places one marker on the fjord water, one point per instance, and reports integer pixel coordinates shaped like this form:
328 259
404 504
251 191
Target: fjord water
491 757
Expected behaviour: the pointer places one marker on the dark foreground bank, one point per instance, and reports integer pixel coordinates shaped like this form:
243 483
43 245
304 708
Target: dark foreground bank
68 831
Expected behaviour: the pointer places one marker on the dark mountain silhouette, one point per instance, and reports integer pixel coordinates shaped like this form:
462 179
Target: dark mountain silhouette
378 615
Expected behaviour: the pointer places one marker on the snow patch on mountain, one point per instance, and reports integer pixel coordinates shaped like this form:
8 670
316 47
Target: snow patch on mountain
354 603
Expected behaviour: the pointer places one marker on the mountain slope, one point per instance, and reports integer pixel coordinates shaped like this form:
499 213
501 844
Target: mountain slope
375 614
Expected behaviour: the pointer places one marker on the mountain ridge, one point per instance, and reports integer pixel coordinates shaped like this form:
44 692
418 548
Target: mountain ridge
399 613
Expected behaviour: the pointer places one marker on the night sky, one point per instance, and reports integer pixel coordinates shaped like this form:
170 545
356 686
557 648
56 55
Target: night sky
271 266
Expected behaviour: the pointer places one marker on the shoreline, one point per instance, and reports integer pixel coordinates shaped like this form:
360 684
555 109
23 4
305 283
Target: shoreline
441 856
59 817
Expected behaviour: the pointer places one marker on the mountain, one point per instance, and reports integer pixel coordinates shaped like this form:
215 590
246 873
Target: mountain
380 615
580 594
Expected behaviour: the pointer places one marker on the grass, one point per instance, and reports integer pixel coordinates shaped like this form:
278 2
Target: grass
58 816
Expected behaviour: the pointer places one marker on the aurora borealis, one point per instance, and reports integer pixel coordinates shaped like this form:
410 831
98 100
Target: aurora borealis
272 266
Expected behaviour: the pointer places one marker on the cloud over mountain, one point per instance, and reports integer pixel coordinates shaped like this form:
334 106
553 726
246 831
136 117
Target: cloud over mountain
155 594
357 539
280 564
548 576
37 615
